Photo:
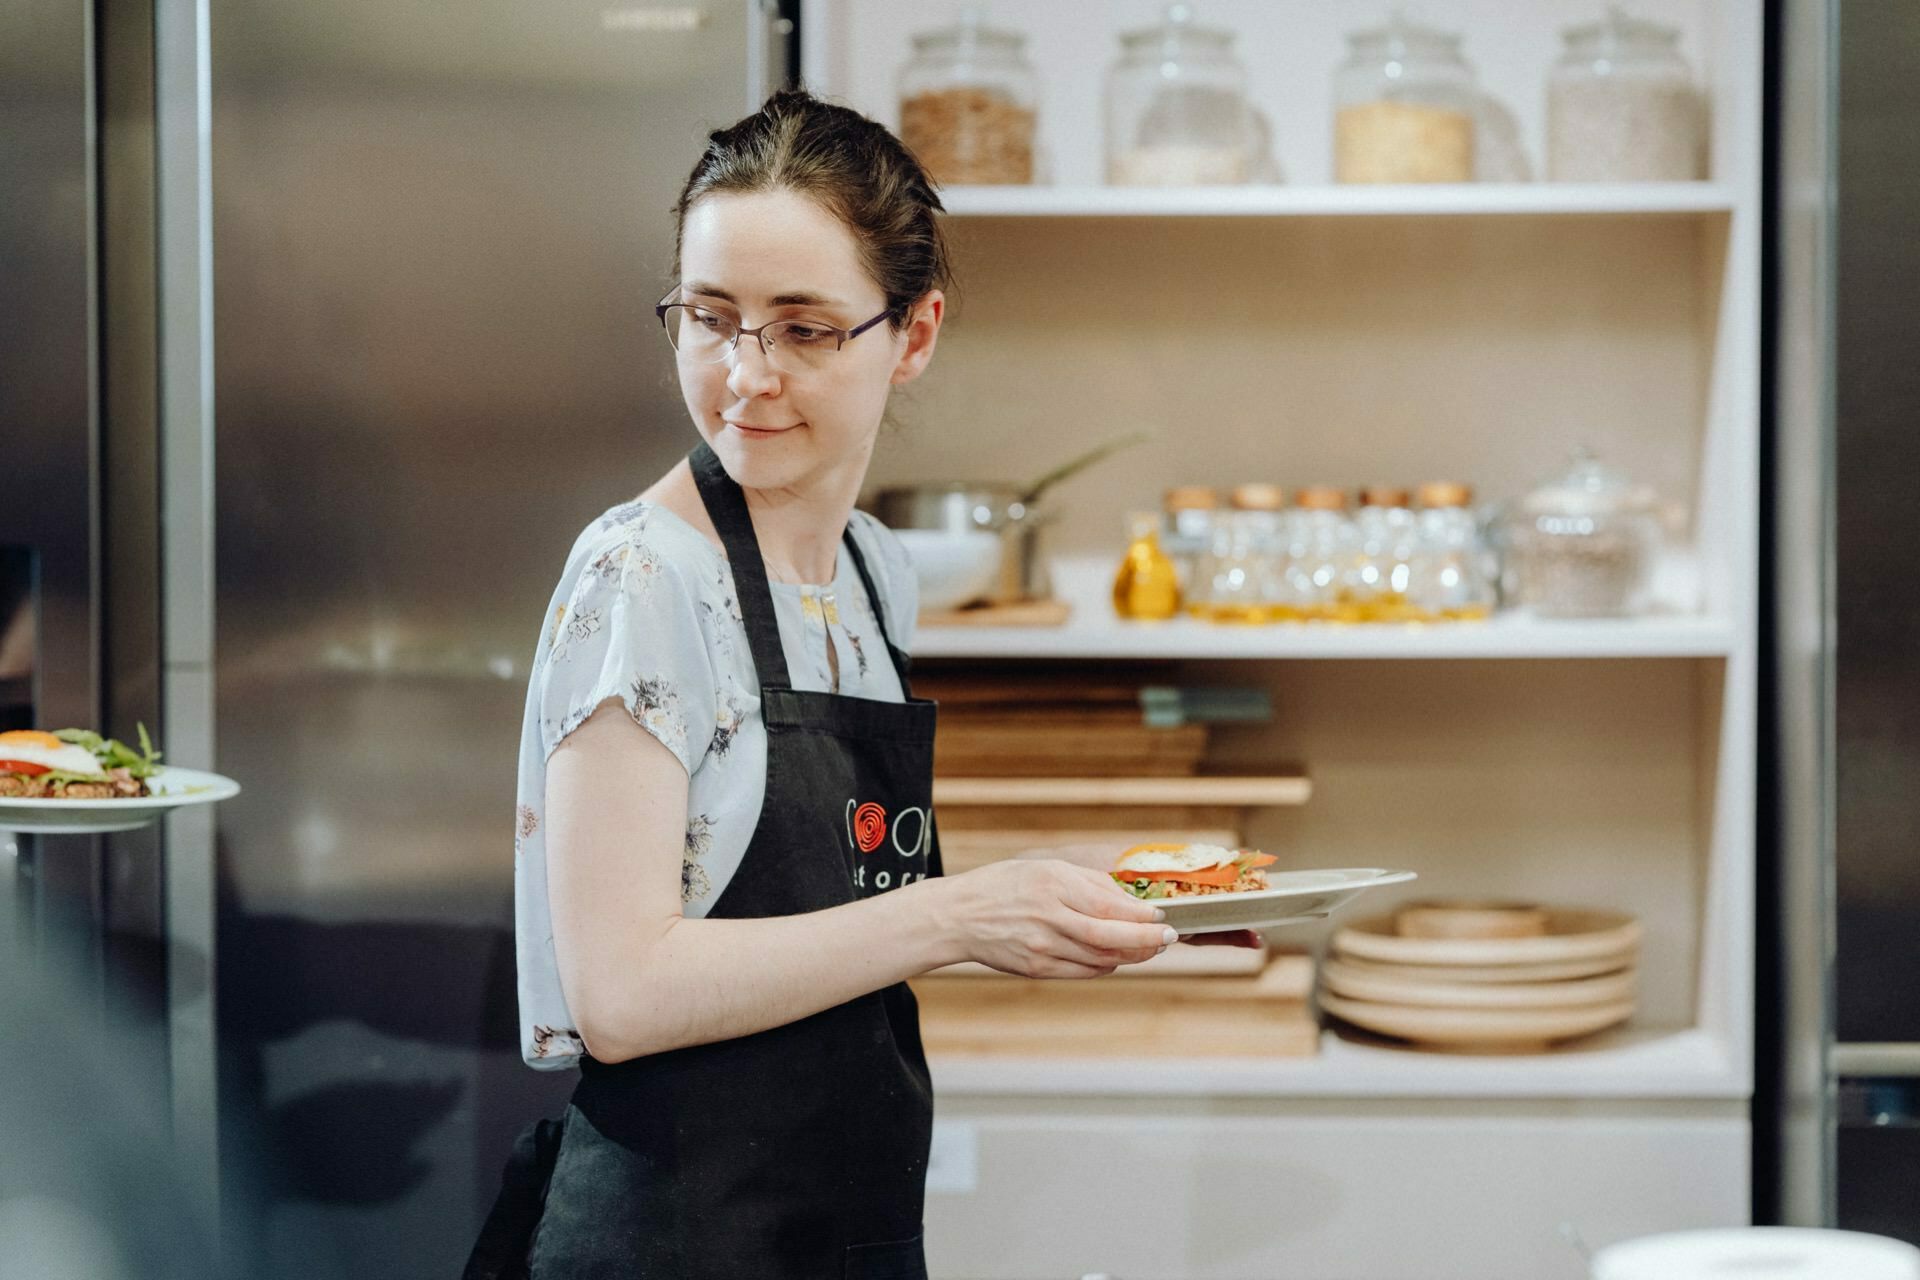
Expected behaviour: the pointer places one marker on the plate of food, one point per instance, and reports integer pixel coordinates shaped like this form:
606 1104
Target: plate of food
1207 888
75 782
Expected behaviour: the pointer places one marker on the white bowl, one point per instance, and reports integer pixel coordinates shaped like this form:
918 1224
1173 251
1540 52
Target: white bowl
954 568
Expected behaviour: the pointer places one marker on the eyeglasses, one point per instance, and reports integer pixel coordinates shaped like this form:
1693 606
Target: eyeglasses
795 346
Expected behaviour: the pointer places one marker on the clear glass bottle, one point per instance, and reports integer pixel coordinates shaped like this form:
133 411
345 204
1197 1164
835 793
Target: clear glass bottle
1450 578
1320 550
1405 103
968 101
1236 581
1176 109
1188 532
1261 510
1622 106
1583 542
1145 588
1377 580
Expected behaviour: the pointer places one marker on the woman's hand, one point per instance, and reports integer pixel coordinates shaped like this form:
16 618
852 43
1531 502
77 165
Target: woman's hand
1045 918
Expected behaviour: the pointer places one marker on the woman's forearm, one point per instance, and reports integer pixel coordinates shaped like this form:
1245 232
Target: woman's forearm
703 980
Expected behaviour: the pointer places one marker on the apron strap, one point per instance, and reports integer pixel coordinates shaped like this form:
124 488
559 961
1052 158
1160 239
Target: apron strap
727 508
901 660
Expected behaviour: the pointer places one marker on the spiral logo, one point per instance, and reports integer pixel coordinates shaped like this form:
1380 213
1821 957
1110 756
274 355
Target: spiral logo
869 826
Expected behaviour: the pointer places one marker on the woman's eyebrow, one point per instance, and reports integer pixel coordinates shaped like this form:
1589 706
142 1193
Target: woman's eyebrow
778 300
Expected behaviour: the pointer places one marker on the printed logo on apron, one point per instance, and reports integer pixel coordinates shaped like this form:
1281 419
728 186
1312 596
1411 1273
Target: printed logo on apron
868 834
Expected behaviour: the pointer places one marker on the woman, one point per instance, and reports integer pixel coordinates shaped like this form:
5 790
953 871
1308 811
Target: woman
726 866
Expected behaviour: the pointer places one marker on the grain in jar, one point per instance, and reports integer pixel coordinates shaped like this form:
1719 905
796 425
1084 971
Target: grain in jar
1404 107
1622 106
967 104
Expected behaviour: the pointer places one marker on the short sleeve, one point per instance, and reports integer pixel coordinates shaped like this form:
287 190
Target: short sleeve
893 574
631 628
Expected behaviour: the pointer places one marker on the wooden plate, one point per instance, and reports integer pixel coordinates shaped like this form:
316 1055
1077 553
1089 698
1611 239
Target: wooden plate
1433 993
1572 934
1556 971
1478 1030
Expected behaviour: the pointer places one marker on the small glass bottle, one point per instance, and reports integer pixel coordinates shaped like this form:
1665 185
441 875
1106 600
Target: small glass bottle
967 103
1319 552
1451 578
1145 588
1377 583
1189 530
1260 510
1405 103
1622 107
1177 112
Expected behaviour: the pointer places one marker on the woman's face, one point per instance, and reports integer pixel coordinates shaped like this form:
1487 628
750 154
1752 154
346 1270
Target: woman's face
777 255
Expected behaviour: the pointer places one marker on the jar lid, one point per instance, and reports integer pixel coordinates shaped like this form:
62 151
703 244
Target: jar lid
1588 487
970 32
1259 497
1175 32
1445 493
1190 497
1383 495
1321 497
1619 31
1400 38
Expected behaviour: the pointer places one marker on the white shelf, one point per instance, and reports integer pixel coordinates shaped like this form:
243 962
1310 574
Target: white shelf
1638 198
1283 789
1632 1063
1094 633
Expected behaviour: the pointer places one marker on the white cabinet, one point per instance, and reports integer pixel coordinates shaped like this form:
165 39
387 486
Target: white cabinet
1311 333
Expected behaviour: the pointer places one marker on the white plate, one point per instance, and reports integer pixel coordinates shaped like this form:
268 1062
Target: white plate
1291 897
172 789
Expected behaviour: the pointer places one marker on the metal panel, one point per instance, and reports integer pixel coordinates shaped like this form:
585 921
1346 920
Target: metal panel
438 230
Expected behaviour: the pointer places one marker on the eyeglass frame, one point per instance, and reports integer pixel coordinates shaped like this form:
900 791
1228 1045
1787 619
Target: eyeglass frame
740 331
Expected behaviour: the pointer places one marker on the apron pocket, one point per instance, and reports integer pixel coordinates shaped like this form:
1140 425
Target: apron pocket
895 1260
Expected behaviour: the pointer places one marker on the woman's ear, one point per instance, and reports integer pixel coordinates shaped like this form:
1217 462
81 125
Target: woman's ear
922 332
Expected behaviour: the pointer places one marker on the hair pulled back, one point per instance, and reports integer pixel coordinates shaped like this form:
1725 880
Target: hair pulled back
853 167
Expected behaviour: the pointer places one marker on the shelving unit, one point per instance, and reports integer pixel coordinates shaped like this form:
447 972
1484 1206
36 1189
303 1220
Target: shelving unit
1307 333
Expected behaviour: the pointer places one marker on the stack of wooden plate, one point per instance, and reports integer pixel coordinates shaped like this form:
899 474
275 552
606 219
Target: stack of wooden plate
1025 726
1484 977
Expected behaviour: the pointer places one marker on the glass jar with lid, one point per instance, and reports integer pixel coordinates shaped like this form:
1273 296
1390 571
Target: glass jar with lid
1622 107
1188 532
1320 549
1583 542
1405 103
1450 578
968 103
1177 112
1377 575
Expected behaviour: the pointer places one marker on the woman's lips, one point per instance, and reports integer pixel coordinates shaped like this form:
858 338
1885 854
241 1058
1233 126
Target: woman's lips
757 433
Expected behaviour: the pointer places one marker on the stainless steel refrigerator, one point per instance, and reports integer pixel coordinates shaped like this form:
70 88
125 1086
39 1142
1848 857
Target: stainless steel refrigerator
1839 1110
330 328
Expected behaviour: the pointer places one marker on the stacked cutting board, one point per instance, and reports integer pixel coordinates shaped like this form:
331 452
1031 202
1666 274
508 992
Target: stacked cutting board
1186 1002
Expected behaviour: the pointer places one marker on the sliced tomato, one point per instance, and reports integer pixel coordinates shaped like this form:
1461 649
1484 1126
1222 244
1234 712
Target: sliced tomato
23 768
1211 876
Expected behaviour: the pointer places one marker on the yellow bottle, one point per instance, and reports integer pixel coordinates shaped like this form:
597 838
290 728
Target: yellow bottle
1146 588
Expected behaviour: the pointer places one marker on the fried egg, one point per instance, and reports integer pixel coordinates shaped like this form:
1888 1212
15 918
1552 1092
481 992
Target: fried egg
1191 857
30 746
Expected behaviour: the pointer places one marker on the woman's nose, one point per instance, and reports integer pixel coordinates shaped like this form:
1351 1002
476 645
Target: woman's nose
750 372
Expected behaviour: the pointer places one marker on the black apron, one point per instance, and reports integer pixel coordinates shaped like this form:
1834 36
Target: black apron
800 1151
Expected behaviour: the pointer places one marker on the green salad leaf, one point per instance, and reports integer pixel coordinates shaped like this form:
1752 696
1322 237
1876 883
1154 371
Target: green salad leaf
111 753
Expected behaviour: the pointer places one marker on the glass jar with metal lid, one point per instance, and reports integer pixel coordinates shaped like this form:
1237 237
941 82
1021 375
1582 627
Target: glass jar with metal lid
1405 103
1622 106
968 103
1583 542
1177 112
1384 529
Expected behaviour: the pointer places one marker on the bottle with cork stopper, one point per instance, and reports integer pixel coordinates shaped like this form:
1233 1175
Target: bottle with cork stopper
1450 577
1376 588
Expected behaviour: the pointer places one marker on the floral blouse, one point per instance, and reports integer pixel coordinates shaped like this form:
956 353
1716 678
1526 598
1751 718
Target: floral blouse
645 612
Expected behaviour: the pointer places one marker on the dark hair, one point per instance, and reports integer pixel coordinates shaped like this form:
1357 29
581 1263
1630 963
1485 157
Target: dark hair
854 167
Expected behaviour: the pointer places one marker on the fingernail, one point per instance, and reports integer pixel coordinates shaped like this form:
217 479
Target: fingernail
1171 934
1159 913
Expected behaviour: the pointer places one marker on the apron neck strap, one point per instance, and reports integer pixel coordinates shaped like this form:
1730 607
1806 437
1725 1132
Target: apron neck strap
727 508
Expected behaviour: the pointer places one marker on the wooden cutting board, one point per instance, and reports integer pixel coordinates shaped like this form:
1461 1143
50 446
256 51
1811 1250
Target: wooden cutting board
1024 613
